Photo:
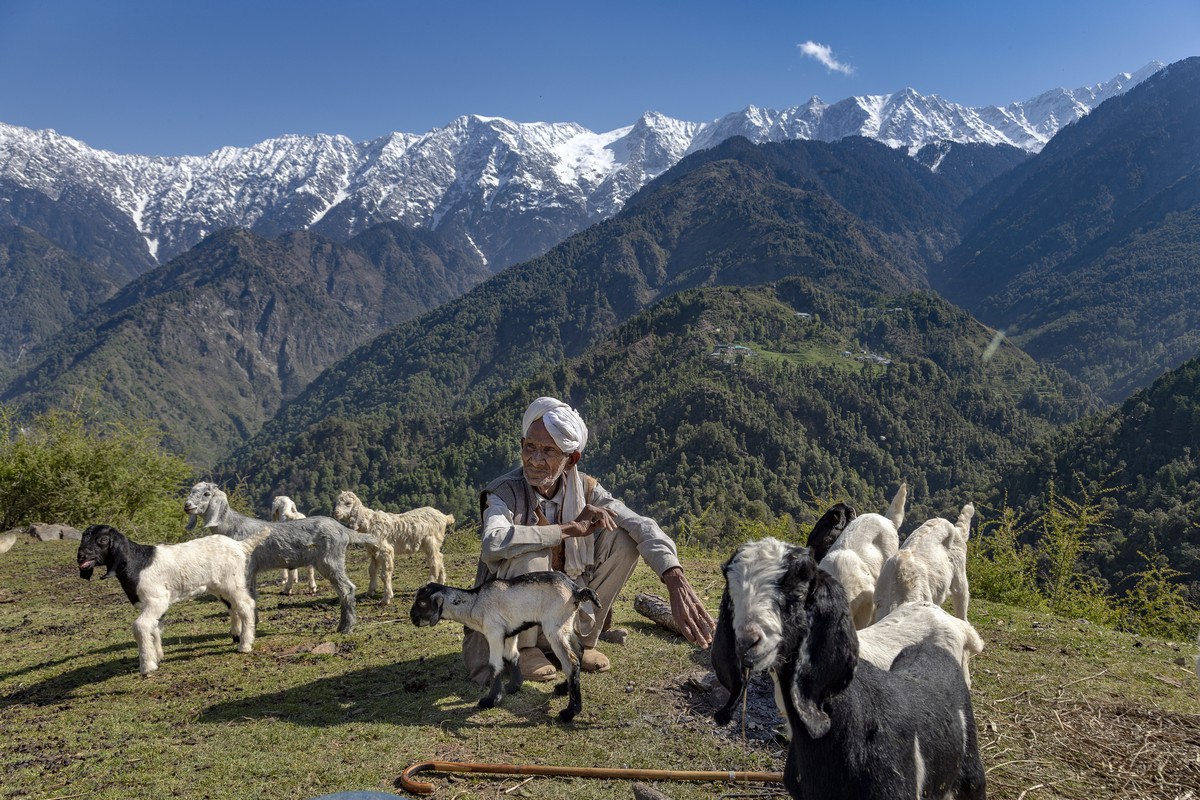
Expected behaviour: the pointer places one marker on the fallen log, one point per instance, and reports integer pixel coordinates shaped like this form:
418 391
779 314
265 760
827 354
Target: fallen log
656 610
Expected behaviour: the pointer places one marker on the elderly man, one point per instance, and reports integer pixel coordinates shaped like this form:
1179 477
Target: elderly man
547 514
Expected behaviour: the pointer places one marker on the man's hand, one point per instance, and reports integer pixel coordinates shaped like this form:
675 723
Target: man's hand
590 520
689 613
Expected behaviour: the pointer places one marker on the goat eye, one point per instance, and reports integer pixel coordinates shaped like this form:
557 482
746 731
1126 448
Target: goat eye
102 540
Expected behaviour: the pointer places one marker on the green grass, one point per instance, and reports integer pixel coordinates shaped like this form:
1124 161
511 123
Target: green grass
1065 709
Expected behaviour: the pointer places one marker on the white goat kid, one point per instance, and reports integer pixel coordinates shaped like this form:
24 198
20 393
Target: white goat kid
283 507
858 555
422 529
911 623
500 609
931 565
156 577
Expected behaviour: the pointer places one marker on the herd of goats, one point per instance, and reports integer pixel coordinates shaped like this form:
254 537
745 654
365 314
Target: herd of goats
871 674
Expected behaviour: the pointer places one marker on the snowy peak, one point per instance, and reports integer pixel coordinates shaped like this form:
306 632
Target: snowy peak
511 190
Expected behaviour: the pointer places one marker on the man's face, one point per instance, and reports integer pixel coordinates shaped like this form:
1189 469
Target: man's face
543 461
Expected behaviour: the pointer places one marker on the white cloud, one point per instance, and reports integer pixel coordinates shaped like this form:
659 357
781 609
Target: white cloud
824 54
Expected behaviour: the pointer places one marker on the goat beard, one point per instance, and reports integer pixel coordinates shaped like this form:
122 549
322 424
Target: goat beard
191 522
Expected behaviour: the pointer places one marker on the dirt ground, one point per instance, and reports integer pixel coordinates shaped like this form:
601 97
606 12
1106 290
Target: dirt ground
1034 745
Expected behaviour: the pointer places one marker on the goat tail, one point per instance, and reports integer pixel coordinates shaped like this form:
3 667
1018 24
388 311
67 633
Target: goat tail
895 511
582 595
973 645
964 520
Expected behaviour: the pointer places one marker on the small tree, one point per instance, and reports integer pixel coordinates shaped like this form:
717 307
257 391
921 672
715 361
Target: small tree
1068 528
1157 604
1000 567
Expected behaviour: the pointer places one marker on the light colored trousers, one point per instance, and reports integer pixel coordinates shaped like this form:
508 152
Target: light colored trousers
616 556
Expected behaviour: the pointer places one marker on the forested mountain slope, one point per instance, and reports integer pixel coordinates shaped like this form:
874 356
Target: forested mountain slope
43 289
1140 462
828 396
1087 254
730 217
210 345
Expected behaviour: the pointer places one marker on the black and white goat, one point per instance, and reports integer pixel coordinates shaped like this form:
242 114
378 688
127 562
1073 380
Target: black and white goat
155 577
500 609
858 731
318 542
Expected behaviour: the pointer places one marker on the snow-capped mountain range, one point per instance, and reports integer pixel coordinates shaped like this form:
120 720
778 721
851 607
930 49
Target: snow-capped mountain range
512 190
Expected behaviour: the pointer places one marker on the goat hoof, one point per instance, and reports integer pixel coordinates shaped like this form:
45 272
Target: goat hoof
566 715
722 717
487 702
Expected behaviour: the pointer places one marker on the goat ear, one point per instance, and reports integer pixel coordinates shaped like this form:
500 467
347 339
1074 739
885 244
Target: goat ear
723 653
828 655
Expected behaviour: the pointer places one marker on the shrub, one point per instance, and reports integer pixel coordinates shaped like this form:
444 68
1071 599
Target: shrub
1000 567
1157 604
64 468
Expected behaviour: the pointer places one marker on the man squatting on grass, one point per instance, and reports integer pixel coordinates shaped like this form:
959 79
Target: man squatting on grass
547 514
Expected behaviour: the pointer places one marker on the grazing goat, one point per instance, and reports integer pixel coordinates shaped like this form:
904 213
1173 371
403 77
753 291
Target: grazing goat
931 565
748 639
828 528
318 542
422 529
500 609
857 556
283 507
155 577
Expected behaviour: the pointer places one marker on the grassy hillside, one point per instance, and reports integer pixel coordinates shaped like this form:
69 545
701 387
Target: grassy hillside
1065 709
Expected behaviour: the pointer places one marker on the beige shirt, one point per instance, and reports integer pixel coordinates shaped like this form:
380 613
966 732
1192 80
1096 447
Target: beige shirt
508 539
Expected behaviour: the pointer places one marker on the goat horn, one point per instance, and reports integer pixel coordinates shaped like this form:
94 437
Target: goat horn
417 787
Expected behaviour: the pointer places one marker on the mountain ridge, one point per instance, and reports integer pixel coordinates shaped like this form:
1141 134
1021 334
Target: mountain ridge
512 190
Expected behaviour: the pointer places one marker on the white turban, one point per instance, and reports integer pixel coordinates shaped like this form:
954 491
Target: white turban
563 423
566 428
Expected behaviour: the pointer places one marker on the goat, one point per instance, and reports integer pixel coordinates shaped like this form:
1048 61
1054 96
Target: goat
749 617
500 609
283 507
858 731
421 529
318 542
861 732
931 565
857 556
155 577
910 623
828 528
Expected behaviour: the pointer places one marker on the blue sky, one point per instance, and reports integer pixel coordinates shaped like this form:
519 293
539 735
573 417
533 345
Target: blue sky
173 78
